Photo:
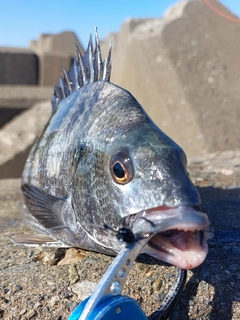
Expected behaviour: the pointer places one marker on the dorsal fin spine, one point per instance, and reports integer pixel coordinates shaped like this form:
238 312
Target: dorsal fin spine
61 86
82 75
89 63
85 69
75 72
98 57
67 82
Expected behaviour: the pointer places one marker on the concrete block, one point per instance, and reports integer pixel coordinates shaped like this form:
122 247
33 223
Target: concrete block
16 99
18 66
51 67
23 96
54 51
184 69
17 137
60 44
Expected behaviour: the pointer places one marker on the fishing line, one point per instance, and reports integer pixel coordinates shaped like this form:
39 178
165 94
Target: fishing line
221 13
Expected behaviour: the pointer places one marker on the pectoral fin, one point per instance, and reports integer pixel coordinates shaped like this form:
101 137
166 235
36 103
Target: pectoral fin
37 240
44 207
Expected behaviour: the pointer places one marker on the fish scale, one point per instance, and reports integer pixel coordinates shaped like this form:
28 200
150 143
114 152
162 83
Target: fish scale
102 161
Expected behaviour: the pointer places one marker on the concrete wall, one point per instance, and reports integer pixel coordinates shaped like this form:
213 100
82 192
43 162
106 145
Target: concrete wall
18 66
184 69
54 52
42 63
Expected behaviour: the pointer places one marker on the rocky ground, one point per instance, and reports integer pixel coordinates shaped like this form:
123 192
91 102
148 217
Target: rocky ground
40 283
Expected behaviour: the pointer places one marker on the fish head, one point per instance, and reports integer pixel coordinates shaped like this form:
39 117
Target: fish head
139 179
154 194
152 169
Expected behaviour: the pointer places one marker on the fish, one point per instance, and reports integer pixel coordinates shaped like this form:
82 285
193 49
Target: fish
101 161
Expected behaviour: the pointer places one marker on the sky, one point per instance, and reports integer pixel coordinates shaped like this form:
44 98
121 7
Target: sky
24 20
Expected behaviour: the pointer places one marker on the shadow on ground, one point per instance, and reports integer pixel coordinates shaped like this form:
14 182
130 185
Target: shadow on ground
221 270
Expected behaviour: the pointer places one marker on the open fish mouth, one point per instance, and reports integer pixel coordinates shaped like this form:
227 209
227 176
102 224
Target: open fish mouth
179 234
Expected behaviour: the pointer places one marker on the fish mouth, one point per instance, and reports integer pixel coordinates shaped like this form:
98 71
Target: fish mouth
178 235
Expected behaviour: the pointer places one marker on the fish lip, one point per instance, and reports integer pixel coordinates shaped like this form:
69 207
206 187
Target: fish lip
178 234
163 218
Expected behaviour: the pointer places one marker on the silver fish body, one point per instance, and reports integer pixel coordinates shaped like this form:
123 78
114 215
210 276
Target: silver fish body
102 161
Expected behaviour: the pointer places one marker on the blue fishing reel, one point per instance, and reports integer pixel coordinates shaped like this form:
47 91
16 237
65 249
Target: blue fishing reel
115 308
107 302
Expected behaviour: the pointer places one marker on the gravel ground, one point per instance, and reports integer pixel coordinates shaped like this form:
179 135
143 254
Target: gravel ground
40 283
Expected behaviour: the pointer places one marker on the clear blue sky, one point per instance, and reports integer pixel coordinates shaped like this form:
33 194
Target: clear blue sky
24 20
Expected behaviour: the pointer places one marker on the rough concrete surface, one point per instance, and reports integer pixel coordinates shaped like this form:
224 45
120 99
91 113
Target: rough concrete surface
12 96
40 283
62 43
20 125
18 136
18 66
54 52
42 63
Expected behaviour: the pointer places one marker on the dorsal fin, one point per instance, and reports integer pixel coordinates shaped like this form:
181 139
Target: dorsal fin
85 69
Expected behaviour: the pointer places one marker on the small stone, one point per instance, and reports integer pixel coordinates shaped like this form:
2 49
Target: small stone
18 287
30 314
72 255
149 273
41 298
30 253
72 305
83 289
51 256
73 274
90 260
157 284
37 305
191 303
223 171
22 312
159 296
53 301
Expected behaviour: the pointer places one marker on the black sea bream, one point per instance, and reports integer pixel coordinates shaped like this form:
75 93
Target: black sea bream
102 161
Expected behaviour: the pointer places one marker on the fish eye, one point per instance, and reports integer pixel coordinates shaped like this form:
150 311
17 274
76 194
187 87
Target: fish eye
121 167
